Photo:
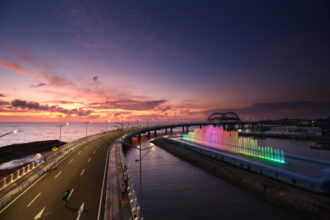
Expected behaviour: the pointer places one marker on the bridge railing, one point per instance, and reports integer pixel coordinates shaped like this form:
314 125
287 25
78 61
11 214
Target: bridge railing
134 205
9 190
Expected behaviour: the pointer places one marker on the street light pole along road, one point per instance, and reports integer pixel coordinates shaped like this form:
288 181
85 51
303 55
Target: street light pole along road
60 126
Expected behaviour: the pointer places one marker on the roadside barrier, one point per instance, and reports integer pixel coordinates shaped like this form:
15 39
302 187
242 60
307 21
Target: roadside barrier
135 208
10 187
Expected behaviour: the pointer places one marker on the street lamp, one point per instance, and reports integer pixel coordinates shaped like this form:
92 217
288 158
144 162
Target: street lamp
11 132
140 160
106 125
60 126
87 122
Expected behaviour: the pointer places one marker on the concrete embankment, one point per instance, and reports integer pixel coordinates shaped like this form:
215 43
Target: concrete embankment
306 204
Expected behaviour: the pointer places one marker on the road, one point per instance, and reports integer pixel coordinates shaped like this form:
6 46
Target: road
82 172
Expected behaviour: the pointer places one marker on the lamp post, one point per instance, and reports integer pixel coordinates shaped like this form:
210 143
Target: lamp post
106 125
140 160
60 126
11 132
87 122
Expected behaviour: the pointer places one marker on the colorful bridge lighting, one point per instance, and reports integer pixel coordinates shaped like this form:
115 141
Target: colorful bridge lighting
229 141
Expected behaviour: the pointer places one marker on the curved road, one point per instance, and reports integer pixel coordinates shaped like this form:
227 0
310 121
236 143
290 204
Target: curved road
82 172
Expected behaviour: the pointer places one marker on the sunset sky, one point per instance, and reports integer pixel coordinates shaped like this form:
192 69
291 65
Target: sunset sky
79 60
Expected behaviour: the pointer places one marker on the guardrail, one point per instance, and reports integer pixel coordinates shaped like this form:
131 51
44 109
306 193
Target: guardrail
134 205
16 175
9 193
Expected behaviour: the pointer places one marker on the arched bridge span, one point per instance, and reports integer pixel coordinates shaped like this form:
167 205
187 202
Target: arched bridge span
218 117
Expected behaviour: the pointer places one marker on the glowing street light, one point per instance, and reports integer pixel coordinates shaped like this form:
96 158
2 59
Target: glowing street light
11 132
60 126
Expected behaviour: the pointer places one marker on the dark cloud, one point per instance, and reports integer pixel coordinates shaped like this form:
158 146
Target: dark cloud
4 102
2 95
36 106
95 78
93 117
64 102
305 109
38 85
129 104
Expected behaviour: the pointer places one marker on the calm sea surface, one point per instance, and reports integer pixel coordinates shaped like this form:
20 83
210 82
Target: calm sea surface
174 189
28 132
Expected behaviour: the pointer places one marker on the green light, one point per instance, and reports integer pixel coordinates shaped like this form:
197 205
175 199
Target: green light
230 141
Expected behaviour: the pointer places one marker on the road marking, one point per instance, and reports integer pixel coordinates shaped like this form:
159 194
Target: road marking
65 157
70 160
89 159
82 172
33 200
105 168
39 213
79 152
70 193
94 152
22 193
81 210
59 173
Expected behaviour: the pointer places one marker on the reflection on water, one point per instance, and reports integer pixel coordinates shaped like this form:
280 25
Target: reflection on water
175 189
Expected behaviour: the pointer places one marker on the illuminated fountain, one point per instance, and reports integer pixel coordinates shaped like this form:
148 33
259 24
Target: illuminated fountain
229 141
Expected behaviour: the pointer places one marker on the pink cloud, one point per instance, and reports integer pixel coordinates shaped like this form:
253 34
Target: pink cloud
16 68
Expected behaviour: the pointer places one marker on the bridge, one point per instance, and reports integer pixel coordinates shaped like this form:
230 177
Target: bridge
94 172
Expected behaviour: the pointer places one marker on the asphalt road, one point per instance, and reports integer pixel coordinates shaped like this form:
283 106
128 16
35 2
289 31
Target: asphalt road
82 172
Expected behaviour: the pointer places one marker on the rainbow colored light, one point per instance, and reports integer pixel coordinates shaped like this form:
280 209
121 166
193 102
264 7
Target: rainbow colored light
218 138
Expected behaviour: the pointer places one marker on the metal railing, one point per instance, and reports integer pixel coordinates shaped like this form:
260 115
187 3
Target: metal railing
7 194
134 205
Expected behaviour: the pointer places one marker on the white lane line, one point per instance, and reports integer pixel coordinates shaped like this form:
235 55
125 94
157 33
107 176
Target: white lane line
70 160
89 159
101 196
22 193
2 210
94 152
70 193
59 173
39 213
79 152
82 172
30 203
81 210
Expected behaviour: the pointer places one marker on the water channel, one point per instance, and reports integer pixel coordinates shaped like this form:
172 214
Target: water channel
175 189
